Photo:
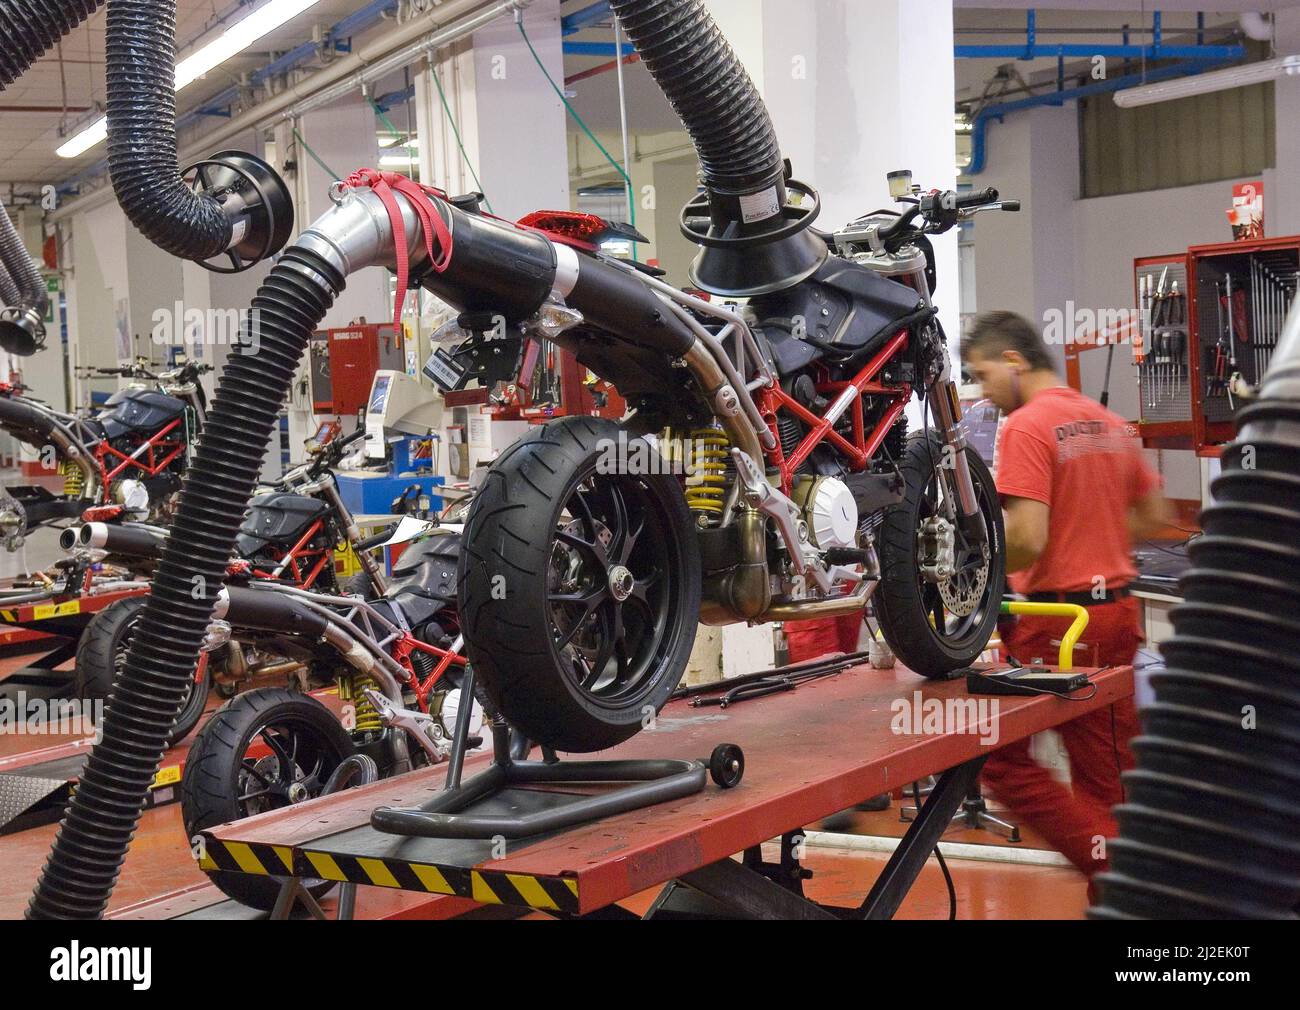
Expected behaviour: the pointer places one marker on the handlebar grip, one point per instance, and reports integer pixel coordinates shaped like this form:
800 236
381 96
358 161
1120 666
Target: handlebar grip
1011 205
977 197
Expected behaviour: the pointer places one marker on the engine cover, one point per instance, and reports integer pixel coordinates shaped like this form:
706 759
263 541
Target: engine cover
829 510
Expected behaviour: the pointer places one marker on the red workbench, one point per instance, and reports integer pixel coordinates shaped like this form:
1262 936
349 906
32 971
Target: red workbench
809 753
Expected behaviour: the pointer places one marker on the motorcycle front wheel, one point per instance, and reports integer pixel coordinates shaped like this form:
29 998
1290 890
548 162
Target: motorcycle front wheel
579 586
933 625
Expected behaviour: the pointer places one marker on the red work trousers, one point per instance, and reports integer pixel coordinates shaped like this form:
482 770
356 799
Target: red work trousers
1073 819
813 639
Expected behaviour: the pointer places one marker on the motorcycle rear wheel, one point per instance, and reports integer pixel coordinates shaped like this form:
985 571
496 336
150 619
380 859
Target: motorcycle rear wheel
925 632
304 743
579 588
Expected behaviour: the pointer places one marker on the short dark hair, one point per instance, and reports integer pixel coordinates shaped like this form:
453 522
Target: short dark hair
991 333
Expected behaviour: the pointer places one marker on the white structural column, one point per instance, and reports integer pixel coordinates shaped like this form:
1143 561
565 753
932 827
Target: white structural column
344 136
1025 262
857 90
1282 203
511 122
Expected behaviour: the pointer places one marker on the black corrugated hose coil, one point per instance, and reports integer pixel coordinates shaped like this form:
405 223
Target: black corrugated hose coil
140 71
28 28
1210 826
103 813
709 89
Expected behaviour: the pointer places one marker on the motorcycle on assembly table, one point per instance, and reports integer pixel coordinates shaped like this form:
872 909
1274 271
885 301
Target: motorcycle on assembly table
395 662
131 453
796 492
290 535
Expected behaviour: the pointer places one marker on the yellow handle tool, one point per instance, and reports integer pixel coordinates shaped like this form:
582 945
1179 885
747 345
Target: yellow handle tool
1071 638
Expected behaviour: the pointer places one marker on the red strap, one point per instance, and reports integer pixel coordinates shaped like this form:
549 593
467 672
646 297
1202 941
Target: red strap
385 184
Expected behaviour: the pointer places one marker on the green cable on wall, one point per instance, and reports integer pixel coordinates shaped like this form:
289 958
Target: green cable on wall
314 156
627 179
456 131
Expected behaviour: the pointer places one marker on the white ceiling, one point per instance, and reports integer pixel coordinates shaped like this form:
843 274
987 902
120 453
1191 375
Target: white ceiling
27 156
31 137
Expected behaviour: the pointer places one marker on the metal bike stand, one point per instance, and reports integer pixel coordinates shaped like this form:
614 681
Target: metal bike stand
445 816
357 769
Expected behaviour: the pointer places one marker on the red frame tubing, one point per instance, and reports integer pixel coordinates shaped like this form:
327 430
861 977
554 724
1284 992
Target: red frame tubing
862 448
446 658
293 556
151 468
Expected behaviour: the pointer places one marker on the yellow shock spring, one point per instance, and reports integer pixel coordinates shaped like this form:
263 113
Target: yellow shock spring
73 478
706 487
350 689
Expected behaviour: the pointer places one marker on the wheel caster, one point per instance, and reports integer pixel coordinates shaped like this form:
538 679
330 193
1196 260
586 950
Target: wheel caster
727 765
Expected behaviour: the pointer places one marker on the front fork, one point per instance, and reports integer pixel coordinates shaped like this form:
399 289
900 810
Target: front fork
954 471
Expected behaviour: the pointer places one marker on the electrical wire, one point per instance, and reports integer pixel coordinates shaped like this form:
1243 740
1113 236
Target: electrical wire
627 179
943 864
314 156
455 129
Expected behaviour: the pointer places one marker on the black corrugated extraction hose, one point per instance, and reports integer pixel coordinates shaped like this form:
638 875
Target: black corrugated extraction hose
9 293
709 89
140 71
753 240
102 815
1210 827
27 29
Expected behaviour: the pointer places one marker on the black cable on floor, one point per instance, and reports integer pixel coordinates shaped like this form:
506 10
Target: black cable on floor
943 864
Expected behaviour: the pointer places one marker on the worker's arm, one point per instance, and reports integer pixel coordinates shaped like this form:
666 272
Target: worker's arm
1148 516
1026 531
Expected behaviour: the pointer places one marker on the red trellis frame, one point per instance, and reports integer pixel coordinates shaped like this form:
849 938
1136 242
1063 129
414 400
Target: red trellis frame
864 445
151 465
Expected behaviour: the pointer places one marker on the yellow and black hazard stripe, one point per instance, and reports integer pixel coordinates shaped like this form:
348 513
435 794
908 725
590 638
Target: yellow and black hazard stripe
489 887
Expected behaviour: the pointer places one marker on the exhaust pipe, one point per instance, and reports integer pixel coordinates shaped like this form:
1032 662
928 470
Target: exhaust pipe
132 541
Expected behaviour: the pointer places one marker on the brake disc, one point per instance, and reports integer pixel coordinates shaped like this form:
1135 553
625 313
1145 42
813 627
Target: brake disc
960 594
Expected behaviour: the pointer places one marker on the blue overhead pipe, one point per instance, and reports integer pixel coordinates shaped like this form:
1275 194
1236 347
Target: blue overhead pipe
1191 54
1204 54
999 111
595 49
585 18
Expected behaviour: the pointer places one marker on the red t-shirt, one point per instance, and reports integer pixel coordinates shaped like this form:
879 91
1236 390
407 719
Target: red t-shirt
1081 461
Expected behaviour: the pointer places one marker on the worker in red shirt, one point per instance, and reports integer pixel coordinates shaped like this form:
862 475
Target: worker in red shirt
1076 493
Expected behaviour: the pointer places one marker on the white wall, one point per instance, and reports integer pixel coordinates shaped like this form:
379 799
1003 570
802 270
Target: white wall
1061 248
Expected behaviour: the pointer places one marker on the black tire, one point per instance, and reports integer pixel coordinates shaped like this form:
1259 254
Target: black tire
216 772
905 601
549 683
359 584
101 654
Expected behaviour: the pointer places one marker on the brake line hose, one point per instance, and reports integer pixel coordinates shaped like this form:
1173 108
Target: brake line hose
1210 827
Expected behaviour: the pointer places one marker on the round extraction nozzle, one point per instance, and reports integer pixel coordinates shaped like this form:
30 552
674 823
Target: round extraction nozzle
253 198
22 332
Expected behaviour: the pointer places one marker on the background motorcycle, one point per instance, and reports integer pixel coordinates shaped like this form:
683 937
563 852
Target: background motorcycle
132 452
395 662
290 535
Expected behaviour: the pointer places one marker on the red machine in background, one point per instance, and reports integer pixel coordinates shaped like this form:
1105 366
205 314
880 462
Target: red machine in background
344 361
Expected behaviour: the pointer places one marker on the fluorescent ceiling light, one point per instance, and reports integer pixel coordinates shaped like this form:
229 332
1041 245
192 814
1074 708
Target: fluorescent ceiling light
1204 84
398 161
387 140
233 41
